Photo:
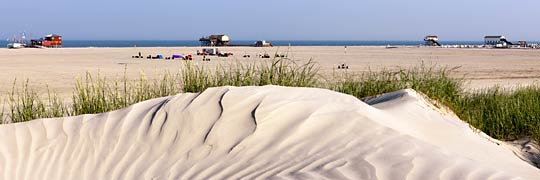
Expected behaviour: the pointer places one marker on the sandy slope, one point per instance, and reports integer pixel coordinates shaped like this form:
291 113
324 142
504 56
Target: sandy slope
258 133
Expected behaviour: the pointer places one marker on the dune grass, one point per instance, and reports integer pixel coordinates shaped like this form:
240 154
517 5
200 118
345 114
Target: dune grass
25 104
501 113
431 80
505 114
283 72
97 95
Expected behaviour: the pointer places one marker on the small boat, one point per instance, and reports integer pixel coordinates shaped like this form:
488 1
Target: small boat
390 47
15 45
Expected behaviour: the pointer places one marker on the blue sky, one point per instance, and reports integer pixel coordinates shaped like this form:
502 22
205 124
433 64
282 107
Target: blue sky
272 19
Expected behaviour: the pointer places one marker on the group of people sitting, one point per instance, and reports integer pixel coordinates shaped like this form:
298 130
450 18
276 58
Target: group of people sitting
219 54
343 66
189 57
159 56
139 56
265 55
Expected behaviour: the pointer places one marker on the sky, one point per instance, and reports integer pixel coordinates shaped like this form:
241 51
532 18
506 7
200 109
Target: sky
461 20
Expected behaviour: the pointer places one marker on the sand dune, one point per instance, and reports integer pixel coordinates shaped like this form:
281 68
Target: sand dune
259 133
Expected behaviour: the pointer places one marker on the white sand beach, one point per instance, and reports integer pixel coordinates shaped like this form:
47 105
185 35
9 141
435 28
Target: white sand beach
260 133
58 68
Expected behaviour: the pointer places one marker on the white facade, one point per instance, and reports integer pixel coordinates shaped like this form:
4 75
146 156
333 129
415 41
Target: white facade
495 40
434 38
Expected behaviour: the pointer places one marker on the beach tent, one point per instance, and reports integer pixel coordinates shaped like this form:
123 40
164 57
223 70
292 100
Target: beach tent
159 56
174 56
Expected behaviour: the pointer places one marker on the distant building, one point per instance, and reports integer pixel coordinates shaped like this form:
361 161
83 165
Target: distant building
263 43
432 41
215 40
523 44
50 41
496 41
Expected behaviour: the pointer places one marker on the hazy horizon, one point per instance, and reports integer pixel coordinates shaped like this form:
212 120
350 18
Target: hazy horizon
338 20
380 40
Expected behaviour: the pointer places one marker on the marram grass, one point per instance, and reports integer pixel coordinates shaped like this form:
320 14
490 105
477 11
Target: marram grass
501 113
433 81
25 104
283 72
97 94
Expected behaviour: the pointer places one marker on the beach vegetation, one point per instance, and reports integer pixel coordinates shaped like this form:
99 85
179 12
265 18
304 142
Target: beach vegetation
505 114
97 94
25 104
280 71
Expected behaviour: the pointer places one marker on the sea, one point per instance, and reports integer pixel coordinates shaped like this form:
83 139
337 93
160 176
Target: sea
189 43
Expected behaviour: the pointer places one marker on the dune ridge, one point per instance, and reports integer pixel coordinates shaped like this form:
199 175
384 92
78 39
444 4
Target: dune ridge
259 133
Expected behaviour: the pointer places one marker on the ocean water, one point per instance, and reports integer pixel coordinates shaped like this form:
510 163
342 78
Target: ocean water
185 43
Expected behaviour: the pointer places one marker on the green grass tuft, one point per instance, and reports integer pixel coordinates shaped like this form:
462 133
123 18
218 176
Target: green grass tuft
283 72
503 113
434 81
25 104
97 95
